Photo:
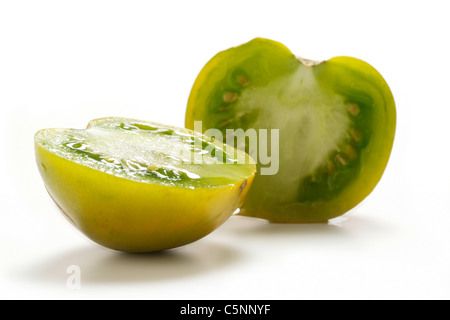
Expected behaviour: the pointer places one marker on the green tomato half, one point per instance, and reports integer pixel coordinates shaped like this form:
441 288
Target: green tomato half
138 186
335 121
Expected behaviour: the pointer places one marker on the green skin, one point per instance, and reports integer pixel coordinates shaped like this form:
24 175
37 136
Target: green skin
336 122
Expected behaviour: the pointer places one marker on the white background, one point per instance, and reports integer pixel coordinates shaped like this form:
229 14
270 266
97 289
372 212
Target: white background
63 63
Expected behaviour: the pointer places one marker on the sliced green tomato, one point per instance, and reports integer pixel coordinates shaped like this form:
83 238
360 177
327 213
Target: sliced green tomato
336 122
138 186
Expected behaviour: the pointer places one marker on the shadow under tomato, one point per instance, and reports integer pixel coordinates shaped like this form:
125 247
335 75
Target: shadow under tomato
353 230
251 227
100 265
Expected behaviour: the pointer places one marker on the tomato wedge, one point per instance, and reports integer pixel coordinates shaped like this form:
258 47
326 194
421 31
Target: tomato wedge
336 121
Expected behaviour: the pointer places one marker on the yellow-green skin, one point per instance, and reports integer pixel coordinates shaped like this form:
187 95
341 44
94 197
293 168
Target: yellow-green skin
131 216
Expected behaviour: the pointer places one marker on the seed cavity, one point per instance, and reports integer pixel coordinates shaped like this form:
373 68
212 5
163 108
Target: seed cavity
356 135
341 160
353 109
243 81
152 167
229 97
350 152
110 160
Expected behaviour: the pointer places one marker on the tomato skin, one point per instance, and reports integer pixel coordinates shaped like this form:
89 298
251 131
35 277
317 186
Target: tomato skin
352 79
